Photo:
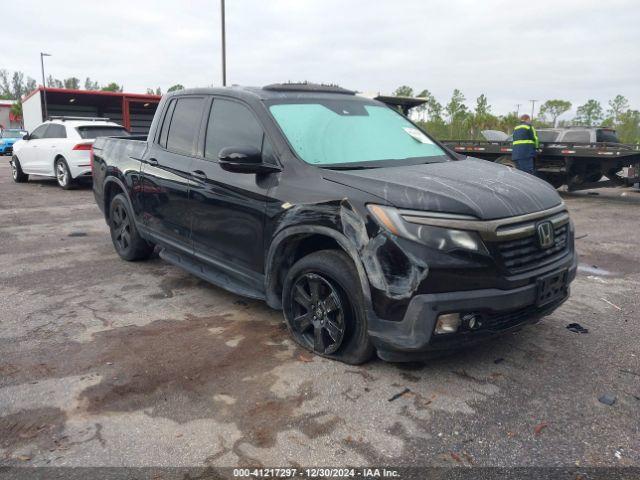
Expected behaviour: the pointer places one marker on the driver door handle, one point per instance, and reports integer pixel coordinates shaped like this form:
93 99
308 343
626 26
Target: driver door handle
199 174
153 162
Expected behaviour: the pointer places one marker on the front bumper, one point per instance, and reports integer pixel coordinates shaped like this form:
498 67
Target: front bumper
6 149
506 310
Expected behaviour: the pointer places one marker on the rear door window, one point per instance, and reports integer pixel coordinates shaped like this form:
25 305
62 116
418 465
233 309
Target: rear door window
231 124
185 124
56 131
93 132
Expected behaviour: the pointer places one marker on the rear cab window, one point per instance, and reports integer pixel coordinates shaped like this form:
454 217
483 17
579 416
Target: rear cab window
577 136
94 131
184 125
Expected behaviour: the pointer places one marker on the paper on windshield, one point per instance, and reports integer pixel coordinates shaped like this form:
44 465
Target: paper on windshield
418 135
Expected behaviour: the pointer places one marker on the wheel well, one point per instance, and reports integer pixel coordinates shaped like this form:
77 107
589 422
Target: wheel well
111 189
293 249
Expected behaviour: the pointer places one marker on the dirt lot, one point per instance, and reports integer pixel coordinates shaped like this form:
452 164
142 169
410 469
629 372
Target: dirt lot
104 362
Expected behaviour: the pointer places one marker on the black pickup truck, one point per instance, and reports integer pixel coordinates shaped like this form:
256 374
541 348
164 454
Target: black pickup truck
340 211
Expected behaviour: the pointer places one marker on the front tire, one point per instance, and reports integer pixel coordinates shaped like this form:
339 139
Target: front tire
16 171
63 174
324 307
124 234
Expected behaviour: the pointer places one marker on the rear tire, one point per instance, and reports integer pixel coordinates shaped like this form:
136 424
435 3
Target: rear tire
124 234
16 171
324 307
63 174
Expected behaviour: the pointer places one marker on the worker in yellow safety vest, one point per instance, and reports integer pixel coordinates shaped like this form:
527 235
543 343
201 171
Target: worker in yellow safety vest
525 144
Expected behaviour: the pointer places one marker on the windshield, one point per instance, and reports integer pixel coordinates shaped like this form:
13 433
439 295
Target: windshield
12 134
330 133
102 131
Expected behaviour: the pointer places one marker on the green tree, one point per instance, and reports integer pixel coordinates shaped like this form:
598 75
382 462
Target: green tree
175 87
16 109
5 86
628 127
456 110
589 114
54 82
91 85
554 108
482 106
112 87
157 91
618 106
72 83
403 91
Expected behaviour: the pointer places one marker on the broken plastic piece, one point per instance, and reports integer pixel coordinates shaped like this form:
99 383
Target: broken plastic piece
398 395
608 399
577 328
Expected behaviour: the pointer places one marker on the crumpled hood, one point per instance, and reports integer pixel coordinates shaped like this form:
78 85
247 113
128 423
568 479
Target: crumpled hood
475 187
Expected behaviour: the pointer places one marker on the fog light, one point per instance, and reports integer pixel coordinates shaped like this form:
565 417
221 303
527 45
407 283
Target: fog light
448 323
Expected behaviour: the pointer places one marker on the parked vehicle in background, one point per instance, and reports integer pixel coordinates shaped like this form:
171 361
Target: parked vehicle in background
60 148
8 137
576 156
341 212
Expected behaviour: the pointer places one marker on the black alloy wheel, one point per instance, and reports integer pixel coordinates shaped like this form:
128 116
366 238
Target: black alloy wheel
121 227
318 313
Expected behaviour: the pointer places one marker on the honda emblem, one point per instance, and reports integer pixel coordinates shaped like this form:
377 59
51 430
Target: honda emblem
545 234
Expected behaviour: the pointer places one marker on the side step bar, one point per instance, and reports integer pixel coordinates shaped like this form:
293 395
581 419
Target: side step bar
209 274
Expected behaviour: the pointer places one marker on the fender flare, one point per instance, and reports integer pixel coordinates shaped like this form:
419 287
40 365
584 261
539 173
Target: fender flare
120 183
273 299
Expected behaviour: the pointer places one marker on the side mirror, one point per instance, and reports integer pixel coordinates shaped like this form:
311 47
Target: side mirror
26 137
244 160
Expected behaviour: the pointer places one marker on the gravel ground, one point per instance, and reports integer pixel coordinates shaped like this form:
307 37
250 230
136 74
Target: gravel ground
108 363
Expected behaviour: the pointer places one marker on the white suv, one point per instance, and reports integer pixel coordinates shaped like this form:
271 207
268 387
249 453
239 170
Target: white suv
60 148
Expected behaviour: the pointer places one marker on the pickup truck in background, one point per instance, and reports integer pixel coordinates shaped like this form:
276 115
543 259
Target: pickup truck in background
371 237
575 156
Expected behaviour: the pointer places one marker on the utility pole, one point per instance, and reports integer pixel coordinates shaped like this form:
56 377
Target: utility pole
518 110
533 108
224 45
44 85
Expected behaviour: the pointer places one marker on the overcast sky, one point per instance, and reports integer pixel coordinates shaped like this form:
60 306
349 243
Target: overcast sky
512 51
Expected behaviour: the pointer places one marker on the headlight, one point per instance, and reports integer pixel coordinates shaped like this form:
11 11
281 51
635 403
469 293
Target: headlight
444 239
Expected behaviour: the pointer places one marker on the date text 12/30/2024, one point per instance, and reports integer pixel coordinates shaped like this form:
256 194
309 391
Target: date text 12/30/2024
315 473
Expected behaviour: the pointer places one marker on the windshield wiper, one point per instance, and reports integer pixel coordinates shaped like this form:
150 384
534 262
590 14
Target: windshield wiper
348 167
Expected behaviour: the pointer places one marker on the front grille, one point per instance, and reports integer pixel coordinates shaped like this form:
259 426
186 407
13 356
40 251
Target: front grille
525 253
8 151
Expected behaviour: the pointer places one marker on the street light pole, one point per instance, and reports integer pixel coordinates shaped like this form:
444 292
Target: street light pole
533 108
224 45
518 110
44 85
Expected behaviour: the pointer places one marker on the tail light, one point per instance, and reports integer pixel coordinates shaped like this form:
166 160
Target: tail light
83 146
